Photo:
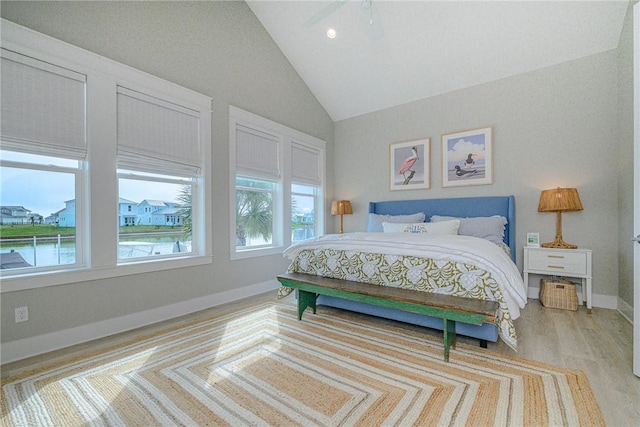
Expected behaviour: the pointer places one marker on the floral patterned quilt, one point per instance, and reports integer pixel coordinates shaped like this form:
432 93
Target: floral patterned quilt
421 268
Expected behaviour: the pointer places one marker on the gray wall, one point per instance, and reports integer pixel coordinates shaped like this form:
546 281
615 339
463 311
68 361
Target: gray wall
553 127
217 48
625 161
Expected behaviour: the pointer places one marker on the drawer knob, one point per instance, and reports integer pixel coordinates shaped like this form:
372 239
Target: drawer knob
555 256
555 266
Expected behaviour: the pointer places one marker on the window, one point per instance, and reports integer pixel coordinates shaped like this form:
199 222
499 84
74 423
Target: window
279 178
303 207
254 212
306 190
42 163
166 230
160 165
40 223
115 161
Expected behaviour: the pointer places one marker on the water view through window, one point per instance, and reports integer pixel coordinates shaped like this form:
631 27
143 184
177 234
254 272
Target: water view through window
154 214
38 210
41 220
303 201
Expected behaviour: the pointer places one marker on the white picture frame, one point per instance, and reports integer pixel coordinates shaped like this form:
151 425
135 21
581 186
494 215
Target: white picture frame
409 165
533 240
467 158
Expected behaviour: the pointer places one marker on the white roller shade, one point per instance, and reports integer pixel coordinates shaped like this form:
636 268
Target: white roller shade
158 129
138 163
43 107
305 165
257 153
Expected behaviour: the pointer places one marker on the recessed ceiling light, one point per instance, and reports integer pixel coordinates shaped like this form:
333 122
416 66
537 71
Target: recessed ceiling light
331 33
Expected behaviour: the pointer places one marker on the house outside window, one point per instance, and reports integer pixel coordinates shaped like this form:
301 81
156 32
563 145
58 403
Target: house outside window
167 221
43 182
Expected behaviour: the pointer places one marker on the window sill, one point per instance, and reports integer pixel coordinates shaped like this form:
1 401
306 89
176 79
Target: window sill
254 253
41 280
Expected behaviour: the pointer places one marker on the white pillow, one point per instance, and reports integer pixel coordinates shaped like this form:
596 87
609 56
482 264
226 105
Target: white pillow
432 228
375 220
485 227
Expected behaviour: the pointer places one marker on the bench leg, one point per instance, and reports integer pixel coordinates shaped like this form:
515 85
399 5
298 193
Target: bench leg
306 299
449 337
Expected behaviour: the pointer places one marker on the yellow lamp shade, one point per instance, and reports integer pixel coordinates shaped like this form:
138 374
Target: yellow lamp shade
341 207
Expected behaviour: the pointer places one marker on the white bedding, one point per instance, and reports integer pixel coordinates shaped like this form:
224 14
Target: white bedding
465 249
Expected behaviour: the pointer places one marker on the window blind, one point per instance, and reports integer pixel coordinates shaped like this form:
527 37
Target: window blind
43 107
134 162
257 153
156 130
305 165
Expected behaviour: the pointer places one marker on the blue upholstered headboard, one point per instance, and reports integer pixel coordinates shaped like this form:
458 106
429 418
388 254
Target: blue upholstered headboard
461 207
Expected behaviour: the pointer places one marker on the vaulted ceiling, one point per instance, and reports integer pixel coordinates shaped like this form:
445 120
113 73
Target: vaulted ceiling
388 53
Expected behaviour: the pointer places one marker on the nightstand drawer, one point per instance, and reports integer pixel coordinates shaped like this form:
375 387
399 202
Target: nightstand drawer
560 261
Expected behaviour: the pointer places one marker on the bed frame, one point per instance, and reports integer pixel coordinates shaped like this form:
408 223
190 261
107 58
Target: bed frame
459 207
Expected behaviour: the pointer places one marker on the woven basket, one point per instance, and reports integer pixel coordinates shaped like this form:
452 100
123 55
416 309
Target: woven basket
558 294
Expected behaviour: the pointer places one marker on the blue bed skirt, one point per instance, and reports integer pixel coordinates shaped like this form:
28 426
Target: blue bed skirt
487 331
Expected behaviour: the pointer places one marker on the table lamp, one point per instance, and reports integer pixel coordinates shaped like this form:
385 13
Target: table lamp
341 207
559 200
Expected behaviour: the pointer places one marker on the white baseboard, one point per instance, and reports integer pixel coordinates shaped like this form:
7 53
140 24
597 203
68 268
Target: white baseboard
33 346
597 300
626 310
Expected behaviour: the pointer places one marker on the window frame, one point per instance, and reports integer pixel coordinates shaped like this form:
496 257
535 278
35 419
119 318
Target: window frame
80 175
282 211
275 198
100 194
192 181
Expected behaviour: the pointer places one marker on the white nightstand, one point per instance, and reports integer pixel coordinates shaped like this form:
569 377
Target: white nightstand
560 262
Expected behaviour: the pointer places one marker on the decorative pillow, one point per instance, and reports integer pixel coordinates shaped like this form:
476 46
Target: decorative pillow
375 221
504 247
433 228
485 227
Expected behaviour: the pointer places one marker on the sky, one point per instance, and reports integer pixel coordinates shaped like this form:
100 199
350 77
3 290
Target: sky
38 191
459 149
45 192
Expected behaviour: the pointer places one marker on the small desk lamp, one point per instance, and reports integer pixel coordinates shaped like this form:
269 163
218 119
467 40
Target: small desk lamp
559 200
341 207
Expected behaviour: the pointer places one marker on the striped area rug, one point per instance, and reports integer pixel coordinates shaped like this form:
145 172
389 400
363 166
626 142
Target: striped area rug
261 366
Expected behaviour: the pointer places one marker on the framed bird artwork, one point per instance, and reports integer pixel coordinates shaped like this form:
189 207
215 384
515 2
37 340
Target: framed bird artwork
467 158
409 165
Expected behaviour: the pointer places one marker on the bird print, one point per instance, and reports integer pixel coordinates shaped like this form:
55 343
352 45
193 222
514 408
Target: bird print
408 162
463 173
469 162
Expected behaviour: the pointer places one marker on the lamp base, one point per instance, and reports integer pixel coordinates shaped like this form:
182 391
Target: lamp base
559 244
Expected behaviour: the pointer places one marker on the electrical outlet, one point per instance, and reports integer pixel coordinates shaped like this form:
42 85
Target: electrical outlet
22 314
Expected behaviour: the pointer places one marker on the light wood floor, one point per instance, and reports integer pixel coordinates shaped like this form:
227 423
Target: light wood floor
600 344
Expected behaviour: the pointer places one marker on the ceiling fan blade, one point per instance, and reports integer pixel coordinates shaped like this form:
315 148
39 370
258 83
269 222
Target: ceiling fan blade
324 12
374 21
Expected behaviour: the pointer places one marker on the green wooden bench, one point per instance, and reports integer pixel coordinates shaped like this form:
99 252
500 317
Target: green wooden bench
450 308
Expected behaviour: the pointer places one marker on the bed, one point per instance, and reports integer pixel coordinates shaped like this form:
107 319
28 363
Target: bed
449 254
